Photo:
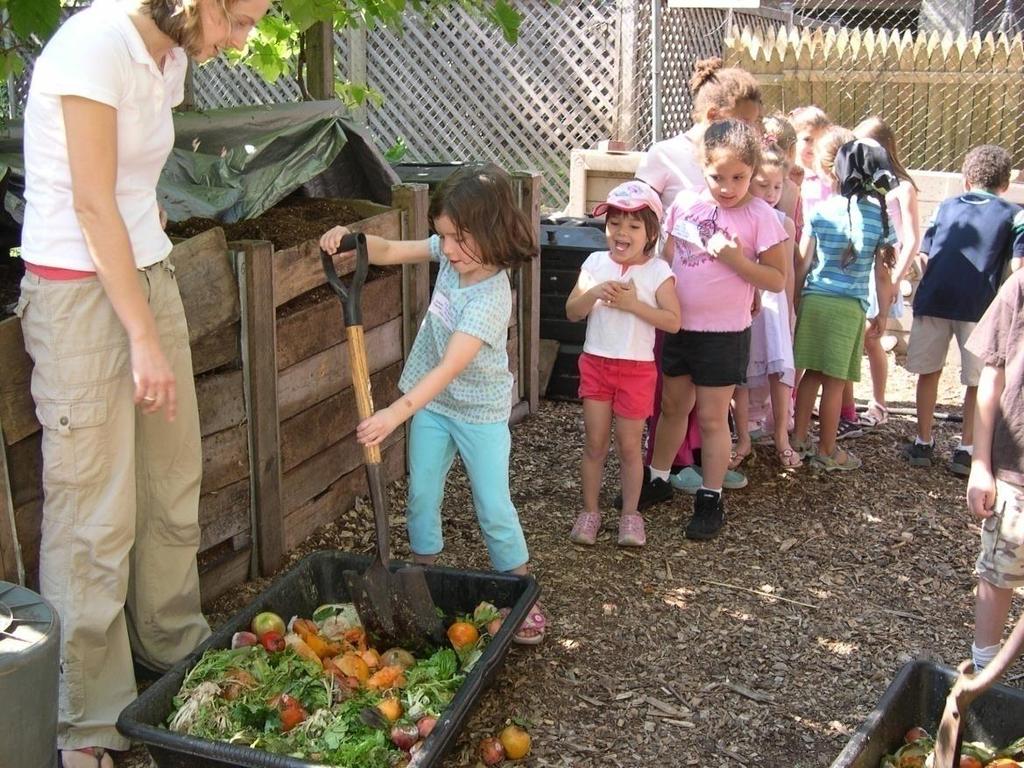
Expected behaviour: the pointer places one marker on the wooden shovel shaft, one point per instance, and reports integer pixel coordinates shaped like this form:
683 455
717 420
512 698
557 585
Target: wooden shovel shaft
361 384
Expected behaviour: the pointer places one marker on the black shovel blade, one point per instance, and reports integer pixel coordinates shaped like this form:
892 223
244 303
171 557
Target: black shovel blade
370 593
417 623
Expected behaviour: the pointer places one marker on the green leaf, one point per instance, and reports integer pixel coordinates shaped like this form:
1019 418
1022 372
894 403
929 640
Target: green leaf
33 17
507 19
396 151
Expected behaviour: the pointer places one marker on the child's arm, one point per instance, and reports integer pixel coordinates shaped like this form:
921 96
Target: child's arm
790 228
461 349
910 236
808 245
664 317
381 251
981 486
768 272
883 292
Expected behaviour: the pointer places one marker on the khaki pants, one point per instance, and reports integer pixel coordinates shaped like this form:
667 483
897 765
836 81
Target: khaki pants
121 498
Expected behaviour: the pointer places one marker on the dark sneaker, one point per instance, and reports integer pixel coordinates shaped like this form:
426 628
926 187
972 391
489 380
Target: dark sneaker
651 492
960 464
920 455
708 516
849 429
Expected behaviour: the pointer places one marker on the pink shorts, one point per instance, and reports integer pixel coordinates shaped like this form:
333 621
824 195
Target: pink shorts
627 384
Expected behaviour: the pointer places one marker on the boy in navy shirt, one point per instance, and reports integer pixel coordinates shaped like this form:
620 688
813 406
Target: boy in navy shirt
966 250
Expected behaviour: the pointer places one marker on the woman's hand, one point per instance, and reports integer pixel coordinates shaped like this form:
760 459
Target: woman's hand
153 377
330 240
374 430
981 491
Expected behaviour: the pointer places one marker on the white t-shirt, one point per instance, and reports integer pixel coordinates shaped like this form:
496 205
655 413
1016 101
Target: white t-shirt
671 166
98 54
612 332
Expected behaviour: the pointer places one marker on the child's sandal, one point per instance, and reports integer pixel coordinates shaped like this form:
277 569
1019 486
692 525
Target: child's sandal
531 631
585 529
790 458
875 416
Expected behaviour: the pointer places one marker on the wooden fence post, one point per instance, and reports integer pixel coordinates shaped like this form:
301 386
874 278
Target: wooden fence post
12 568
413 200
319 40
259 369
529 294
357 67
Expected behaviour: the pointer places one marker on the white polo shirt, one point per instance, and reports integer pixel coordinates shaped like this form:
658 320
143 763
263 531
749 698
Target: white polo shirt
98 54
612 332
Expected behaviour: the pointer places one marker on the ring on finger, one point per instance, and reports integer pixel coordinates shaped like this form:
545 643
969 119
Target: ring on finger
149 399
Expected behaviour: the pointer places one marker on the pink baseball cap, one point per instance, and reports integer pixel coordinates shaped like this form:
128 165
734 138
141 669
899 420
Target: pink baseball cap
631 196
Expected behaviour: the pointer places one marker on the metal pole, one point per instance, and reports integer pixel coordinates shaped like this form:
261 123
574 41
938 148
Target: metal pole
655 71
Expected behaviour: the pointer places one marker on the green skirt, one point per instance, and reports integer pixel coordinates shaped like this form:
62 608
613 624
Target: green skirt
829 335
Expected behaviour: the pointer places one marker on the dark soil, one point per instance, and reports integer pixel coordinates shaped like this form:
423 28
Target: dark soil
292 221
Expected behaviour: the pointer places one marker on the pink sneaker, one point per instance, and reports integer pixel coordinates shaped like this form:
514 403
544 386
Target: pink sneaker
631 531
586 528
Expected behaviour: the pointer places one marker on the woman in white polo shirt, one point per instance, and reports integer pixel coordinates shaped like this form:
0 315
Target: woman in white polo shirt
112 382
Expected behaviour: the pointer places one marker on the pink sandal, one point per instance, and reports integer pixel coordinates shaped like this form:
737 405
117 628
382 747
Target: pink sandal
790 458
531 631
585 529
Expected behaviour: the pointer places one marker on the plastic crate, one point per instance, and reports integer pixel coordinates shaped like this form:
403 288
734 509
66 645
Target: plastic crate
917 697
315 580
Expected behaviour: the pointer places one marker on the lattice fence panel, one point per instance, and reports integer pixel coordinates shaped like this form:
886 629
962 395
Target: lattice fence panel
219 84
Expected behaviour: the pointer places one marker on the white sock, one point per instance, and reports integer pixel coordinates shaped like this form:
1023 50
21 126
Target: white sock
968 448
919 441
982 657
659 474
713 490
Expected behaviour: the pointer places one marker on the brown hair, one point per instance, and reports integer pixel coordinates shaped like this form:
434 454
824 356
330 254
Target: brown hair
180 20
875 128
809 118
826 148
778 126
734 136
479 200
721 88
988 167
652 227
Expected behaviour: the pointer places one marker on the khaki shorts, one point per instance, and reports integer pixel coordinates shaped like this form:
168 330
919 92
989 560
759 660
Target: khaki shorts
929 343
1001 560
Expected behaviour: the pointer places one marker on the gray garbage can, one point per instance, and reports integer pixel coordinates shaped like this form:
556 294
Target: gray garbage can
29 672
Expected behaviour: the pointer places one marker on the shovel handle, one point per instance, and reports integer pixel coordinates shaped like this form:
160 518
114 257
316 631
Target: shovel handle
361 384
350 295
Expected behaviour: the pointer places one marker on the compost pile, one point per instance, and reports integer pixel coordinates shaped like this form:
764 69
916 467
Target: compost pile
919 746
292 221
765 648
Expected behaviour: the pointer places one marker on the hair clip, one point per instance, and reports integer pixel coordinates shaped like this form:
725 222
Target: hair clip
768 139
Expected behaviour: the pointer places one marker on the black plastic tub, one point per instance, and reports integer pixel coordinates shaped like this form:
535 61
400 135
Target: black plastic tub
917 697
315 580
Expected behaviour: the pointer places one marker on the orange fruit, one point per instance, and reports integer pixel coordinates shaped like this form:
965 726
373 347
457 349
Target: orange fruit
352 665
462 634
390 707
516 742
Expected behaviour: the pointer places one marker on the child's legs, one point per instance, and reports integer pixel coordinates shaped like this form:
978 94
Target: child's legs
741 415
713 412
970 373
927 394
926 356
970 400
431 453
878 362
782 395
806 394
677 398
597 421
485 449
828 413
991 608
629 435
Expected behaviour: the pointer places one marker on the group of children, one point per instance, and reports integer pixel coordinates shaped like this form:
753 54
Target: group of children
752 259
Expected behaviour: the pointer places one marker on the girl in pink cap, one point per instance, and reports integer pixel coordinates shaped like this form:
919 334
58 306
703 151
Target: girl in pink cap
624 293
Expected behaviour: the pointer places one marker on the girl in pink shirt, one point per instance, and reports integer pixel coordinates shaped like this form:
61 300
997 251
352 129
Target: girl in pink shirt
722 243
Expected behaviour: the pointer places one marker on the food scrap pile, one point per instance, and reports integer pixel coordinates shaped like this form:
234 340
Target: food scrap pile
918 747
317 690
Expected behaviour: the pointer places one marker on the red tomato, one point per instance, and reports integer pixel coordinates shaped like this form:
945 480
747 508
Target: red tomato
272 641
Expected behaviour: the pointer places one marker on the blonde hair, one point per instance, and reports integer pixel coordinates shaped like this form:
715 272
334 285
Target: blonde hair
809 118
180 20
827 147
721 88
778 139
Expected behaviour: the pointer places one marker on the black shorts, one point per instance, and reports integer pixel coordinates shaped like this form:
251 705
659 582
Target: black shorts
710 358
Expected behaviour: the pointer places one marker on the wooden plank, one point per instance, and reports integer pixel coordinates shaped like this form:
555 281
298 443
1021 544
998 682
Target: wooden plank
221 399
225 458
217 349
25 468
259 352
11 567
529 295
316 428
298 269
413 201
206 280
341 495
357 68
319 40
325 373
17 410
316 327
224 514
28 522
220 575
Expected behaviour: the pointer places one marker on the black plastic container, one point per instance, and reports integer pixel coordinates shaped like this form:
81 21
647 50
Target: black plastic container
315 580
563 249
917 697
431 174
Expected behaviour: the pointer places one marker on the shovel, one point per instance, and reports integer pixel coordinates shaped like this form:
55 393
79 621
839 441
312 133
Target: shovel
965 690
396 608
